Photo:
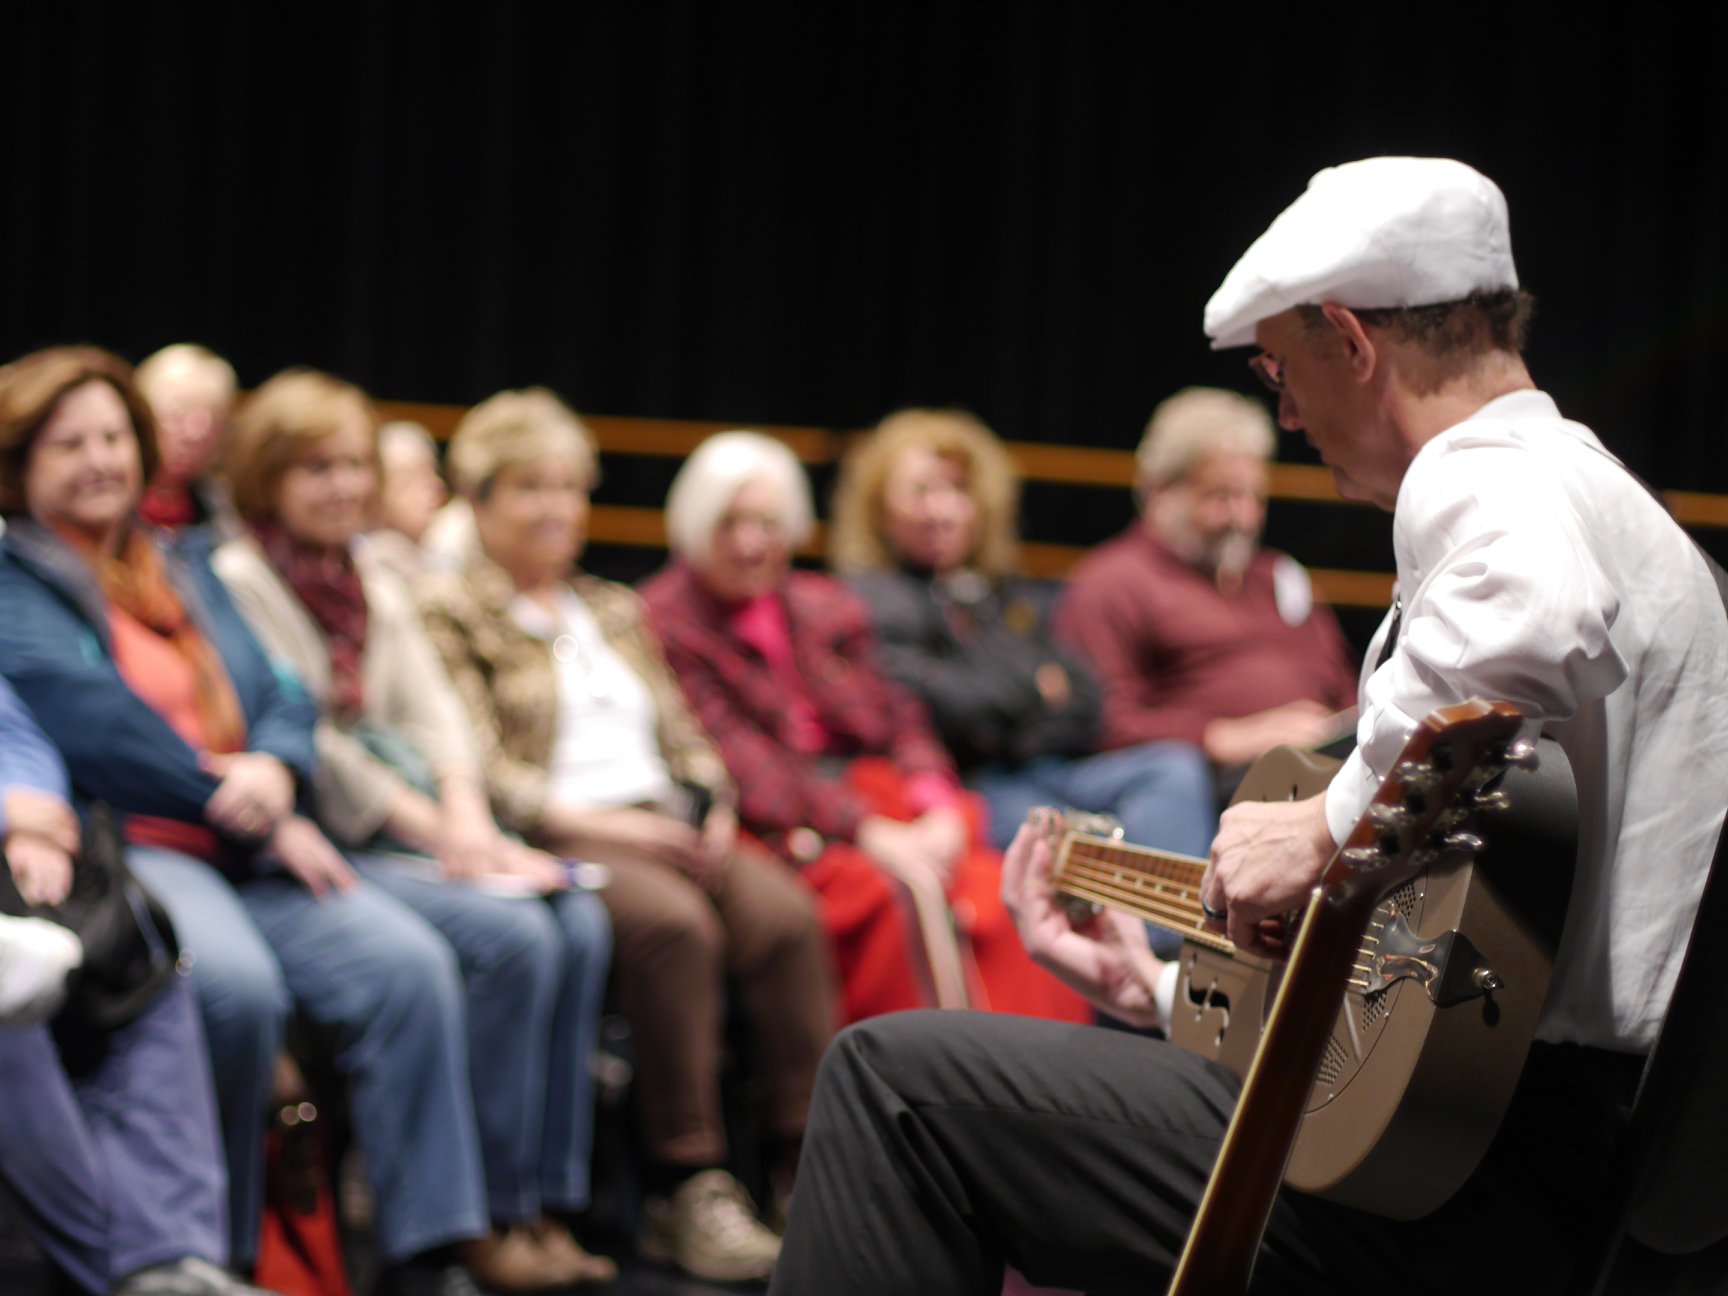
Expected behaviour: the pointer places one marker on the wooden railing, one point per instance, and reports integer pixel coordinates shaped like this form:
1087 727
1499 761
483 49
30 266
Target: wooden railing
644 527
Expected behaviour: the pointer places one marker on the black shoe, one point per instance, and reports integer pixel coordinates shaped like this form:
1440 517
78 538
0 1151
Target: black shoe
420 1277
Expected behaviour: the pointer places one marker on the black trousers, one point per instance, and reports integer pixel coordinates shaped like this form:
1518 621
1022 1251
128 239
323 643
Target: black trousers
944 1145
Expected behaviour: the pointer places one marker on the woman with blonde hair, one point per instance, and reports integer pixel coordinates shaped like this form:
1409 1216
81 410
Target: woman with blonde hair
399 785
837 767
589 750
925 531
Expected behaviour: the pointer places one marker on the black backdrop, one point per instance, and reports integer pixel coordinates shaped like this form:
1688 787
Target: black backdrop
814 213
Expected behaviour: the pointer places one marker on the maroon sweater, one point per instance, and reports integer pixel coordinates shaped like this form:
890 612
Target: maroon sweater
1173 653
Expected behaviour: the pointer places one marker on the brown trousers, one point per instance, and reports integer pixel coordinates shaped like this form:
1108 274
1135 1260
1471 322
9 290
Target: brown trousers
676 946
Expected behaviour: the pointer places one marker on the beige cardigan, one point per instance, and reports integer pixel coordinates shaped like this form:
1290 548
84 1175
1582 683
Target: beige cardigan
406 689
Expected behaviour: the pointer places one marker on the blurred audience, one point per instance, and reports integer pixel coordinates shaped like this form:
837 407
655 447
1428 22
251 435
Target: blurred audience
590 751
924 529
140 670
108 1131
410 493
1197 633
398 781
837 768
191 391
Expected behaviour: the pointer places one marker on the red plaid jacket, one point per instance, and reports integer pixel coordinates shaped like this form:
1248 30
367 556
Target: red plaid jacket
735 695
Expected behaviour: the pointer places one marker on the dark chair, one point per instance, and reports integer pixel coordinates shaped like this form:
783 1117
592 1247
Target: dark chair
1668 1232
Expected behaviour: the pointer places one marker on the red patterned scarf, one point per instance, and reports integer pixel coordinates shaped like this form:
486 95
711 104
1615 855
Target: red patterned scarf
328 584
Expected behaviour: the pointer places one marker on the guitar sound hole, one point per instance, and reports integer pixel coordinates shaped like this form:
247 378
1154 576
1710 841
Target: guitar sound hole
1211 999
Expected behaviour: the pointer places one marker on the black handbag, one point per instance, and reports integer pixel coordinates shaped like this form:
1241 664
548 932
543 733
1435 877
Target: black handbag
130 951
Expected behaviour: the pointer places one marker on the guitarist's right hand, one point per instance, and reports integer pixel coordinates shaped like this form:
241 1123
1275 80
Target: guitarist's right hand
1265 860
1104 957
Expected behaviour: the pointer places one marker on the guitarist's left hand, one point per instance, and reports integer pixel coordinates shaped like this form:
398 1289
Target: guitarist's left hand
1105 958
1265 860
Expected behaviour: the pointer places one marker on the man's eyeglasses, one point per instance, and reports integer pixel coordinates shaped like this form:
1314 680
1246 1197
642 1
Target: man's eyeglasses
1269 369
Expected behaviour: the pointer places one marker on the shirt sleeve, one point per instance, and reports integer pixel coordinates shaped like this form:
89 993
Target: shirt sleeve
1504 600
27 759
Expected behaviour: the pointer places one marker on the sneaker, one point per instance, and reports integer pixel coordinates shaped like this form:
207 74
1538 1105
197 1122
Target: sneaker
709 1229
557 1243
188 1276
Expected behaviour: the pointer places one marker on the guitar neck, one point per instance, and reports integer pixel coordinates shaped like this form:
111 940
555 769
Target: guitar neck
1158 886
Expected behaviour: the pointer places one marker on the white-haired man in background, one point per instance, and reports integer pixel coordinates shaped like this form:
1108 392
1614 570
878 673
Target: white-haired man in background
1532 567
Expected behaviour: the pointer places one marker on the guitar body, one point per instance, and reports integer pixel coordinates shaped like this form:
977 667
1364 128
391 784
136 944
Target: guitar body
1410 1089
1223 995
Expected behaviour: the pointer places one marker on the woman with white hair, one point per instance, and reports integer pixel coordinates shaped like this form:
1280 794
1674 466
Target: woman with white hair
590 751
837 768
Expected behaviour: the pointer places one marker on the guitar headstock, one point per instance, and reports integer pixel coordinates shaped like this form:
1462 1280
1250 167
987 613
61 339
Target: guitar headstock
1447 772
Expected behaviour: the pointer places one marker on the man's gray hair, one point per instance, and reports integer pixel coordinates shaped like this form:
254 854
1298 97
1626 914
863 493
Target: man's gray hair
1193 423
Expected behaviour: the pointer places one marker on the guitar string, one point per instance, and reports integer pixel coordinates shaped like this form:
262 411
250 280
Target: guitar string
1173 905
1170 916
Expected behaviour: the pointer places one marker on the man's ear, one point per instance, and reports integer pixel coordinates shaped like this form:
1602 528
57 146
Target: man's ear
1359 348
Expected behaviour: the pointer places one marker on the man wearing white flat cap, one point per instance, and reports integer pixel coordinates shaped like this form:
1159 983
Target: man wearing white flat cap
1531 567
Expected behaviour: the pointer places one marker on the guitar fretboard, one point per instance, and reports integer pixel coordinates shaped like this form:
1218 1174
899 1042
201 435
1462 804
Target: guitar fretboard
1158 886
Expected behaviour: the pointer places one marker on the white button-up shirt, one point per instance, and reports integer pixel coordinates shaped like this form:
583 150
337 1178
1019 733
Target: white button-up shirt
1534 569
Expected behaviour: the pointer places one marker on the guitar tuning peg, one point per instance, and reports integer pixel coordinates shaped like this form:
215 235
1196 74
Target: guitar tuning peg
1363 856
1392 817
1462 843
1523 754
1492 801
1416 775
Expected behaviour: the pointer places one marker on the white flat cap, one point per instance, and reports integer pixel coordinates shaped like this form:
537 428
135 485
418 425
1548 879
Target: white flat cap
1382 232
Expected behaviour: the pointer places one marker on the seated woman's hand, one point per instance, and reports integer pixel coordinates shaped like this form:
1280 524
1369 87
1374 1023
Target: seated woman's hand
42 870
41 839
719 834
517 859
633 834
901 850
307 854
44 815
469 845
256 791
943 831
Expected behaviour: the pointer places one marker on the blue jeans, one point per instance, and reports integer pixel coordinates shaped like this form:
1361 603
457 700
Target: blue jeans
109 1140
1160 791
367 971
534 972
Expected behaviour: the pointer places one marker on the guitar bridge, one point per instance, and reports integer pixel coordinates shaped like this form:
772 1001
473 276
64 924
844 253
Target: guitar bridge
1449 966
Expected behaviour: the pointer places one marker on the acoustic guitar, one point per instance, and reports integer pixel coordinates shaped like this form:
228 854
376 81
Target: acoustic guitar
1425 1042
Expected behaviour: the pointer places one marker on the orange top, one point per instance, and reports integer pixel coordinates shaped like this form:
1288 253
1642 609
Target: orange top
159 674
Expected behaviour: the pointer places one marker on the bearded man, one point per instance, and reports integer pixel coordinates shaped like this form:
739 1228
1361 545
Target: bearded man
1196 633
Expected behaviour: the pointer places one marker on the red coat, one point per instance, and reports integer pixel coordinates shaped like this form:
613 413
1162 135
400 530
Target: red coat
741 704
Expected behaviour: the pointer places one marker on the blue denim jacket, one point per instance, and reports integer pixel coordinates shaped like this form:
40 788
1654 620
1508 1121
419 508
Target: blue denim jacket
56 651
